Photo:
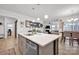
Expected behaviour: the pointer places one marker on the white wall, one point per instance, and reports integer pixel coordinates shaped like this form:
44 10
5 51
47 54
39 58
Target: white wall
19 17
2 26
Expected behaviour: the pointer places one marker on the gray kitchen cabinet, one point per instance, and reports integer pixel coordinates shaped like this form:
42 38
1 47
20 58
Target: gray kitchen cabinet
22 45
28 47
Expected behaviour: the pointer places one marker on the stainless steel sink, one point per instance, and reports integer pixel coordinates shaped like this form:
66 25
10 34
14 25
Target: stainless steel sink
29 34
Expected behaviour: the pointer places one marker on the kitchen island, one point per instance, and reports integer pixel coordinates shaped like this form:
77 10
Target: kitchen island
38 44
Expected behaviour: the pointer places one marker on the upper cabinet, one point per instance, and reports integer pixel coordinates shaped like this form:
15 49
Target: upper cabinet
33 24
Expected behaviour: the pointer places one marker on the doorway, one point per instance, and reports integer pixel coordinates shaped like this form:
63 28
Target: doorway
16 29
11 27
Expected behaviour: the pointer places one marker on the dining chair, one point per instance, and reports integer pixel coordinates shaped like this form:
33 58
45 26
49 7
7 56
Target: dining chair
75 37
67 36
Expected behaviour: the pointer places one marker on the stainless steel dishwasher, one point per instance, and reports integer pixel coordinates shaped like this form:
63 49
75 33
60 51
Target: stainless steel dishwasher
31 48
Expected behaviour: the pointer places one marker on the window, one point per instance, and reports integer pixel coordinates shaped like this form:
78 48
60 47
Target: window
54 26
71 26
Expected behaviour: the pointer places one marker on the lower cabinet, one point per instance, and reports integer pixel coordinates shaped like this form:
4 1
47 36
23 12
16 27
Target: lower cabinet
46 50
21 44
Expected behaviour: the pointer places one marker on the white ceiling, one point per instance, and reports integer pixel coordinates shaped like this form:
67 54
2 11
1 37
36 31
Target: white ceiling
53 10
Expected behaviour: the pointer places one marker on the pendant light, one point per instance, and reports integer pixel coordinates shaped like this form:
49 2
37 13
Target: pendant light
46 16
73 19
33 13
38 12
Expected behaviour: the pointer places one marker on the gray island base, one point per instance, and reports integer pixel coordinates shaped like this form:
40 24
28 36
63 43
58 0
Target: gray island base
38 44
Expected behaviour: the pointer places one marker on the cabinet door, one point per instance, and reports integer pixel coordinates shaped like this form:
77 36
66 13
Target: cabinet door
24 45
20 44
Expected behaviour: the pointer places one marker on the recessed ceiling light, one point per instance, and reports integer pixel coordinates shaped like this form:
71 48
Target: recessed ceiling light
72 19
69 20
75 19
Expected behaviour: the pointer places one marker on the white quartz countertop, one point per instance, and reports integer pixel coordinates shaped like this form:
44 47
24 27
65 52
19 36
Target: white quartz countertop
41 39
